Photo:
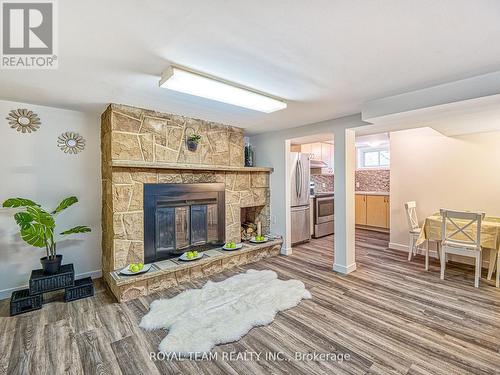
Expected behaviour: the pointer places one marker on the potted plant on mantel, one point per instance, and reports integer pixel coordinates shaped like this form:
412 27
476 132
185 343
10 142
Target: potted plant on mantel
37 228
192 142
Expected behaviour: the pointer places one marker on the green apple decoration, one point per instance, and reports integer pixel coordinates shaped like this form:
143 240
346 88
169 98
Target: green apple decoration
135 267
192 255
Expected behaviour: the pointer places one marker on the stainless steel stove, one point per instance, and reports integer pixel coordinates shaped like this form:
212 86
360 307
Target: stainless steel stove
324 210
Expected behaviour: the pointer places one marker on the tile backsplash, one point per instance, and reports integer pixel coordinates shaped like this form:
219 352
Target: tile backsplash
373 179
368 180
322 182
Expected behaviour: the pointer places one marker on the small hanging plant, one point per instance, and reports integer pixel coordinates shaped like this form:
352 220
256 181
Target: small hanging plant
192 141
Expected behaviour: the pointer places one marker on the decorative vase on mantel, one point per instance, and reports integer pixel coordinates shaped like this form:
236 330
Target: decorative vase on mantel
248 156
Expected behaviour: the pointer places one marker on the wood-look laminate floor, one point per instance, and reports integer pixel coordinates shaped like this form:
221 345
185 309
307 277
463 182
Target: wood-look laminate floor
390 316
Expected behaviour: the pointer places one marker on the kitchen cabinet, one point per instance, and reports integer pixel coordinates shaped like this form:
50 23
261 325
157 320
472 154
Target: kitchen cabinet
376 211
306 148
327 157
316 151
320 151
372 210
360 209
326 152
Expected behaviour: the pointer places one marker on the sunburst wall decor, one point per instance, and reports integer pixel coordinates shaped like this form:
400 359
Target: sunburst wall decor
24 120
71 142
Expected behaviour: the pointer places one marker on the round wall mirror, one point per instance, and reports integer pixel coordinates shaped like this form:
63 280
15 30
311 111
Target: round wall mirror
23 120
71 143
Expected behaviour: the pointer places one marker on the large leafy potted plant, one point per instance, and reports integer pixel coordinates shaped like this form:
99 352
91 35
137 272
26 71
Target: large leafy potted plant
37 228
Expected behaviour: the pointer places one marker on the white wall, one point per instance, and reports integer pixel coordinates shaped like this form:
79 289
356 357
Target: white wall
269 150
32 166
442 172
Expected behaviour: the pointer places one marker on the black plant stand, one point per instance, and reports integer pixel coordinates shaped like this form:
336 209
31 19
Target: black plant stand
32 299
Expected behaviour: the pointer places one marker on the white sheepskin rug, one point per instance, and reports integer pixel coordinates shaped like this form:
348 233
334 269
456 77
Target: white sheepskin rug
222 312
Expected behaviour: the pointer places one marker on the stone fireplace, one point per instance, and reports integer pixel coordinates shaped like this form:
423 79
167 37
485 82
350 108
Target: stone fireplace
144 152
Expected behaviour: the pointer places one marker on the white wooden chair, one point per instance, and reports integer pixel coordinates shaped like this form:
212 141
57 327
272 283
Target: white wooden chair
414 230
461 240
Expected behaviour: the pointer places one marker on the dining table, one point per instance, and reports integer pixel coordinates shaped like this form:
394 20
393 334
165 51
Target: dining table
490 237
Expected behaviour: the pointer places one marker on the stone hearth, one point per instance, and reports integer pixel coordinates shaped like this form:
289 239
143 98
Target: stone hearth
142 146
170 273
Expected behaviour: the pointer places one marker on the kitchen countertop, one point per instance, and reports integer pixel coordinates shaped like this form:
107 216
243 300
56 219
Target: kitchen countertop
373 192
386 193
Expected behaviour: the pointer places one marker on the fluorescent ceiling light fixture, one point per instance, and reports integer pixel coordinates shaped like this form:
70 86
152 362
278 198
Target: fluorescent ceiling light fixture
178 79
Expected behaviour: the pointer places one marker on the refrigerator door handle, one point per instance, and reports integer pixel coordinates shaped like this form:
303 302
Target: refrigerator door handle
297 169
301 178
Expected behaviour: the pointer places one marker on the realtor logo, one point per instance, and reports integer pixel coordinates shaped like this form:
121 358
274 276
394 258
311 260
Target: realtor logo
28 35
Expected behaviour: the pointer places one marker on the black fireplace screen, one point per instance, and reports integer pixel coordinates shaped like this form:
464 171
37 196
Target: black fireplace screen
182 217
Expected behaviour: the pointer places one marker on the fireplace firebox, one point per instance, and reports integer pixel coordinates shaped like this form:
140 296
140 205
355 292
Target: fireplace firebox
182 217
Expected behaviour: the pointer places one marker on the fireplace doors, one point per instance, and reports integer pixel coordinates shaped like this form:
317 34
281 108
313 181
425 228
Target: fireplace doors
182 217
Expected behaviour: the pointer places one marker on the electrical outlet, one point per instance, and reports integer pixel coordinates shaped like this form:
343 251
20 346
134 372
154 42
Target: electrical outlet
357 184
323 184
273 219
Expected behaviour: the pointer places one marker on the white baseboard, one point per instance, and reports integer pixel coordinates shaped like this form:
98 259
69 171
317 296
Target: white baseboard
5 293
344 269
286 251
93 274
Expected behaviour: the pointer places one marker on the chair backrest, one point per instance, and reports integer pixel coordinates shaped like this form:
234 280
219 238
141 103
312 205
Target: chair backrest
411 215
465 227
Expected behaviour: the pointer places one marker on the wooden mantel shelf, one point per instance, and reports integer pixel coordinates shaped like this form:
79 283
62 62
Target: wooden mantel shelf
193 167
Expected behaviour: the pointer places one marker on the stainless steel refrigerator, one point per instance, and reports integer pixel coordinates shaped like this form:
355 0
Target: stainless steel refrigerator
300 210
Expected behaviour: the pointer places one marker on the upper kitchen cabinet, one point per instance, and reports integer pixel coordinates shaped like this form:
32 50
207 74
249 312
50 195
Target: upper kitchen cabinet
319 151
306 148
316 151
327 157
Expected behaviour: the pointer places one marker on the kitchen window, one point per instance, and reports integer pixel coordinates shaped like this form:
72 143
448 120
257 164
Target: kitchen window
371 157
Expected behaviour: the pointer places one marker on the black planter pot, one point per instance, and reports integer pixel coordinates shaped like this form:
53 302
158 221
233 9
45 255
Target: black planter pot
51 266
192 145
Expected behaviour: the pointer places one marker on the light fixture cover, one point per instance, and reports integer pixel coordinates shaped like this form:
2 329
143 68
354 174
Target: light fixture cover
178 79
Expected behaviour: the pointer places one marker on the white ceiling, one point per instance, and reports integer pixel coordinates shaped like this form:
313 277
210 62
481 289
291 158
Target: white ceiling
323 137
479 115
369 140
325 57
372 140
